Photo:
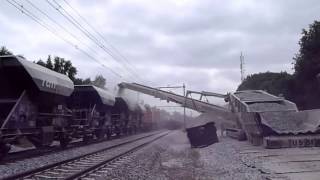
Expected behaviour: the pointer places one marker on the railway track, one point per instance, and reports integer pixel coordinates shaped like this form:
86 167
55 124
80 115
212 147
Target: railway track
85 166
31 153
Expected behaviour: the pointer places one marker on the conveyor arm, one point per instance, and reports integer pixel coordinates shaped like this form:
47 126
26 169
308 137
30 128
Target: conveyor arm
194 104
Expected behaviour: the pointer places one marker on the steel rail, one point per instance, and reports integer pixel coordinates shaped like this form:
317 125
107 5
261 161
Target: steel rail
32 153
53 165
94 168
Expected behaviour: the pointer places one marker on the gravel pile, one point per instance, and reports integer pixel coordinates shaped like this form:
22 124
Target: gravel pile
255 95
268 106
28 164
291 122
223 161
172 158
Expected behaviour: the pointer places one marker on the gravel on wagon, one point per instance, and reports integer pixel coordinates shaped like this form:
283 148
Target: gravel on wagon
9 169
172 158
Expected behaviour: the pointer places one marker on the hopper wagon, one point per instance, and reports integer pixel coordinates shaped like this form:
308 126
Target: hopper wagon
32 103
39 106
148 119
91 108
126 116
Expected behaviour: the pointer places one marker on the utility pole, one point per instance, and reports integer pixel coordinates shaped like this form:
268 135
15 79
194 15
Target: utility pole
185 100
242 67
184 106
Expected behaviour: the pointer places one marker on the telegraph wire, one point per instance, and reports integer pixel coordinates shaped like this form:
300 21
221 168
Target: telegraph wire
88 34
80 27
26 12
58 24
62 27
104 39
76 24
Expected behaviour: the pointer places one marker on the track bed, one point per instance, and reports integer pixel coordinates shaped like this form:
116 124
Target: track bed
18 167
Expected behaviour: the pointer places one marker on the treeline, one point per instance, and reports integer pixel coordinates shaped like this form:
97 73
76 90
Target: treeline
63 66
301 87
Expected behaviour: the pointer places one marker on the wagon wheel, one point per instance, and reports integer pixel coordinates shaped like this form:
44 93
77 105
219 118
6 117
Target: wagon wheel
118 131
129 131
108 132
100 133
4 149
36 142
87 138
64 140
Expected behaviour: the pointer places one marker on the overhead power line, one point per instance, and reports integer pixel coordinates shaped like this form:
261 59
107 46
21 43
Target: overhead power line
104 39
242 68
29 14
80 27
60 26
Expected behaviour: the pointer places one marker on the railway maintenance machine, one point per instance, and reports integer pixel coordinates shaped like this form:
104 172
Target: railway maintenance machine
253 115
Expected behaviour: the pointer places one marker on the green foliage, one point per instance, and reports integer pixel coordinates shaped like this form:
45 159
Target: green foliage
99 81
307 67
42 63
63 66
274 83
49 64
79 81
307 61
60 65
303 87
4 51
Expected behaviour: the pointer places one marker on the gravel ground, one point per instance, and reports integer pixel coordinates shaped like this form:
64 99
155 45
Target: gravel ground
28 164
172 158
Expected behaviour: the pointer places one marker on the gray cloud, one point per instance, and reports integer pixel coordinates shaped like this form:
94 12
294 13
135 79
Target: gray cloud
171 42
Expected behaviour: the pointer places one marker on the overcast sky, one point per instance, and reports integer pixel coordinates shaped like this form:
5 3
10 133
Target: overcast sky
167 42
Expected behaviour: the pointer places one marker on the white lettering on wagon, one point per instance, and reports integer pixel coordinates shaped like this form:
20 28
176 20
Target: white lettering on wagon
48 84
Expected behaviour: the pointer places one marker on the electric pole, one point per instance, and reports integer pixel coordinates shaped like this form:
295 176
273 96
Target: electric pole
185 100
242 67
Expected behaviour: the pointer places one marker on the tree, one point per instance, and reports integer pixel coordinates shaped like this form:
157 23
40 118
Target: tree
303 87
49 64
42 63
79 81
60 65
4 51
273 83
99 81
63 66
307 66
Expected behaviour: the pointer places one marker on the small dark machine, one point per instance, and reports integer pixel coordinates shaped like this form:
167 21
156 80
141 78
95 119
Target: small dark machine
202 135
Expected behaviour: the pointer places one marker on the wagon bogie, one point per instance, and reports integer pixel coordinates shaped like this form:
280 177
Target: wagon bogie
91 112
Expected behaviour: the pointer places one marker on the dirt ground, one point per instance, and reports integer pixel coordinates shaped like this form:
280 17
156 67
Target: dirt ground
217 161
173 158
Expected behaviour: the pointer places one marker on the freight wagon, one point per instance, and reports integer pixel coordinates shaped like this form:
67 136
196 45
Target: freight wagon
42 106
